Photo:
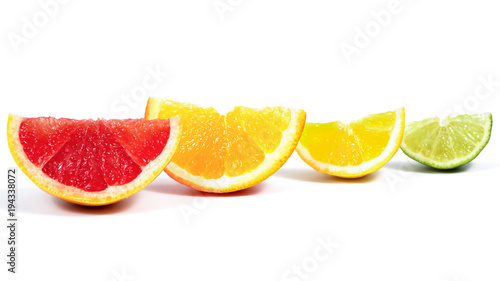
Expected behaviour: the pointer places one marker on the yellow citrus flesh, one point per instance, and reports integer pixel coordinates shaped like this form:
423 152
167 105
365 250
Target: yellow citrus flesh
352 150
225 153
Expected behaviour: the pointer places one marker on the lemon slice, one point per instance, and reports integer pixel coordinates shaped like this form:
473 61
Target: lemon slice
352 150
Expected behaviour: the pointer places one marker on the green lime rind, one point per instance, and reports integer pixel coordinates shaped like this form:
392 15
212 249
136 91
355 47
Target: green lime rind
449 143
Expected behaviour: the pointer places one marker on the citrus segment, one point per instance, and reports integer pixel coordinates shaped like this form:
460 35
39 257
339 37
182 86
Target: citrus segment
224 153
252 120
373 133
243 153
42 137
91 162
202 147
447 143
355 149
144 141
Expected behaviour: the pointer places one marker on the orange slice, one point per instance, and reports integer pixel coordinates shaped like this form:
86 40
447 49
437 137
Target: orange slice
352 150
92 162
224 153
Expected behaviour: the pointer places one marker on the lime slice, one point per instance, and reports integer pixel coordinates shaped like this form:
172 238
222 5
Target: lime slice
447 143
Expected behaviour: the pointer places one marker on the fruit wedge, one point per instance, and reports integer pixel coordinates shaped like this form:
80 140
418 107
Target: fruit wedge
447 143
224 153
92 162
352 150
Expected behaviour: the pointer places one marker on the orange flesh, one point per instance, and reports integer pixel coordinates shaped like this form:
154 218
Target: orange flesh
213 145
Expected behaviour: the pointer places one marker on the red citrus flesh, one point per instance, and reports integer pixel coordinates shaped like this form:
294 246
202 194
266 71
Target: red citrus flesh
92 154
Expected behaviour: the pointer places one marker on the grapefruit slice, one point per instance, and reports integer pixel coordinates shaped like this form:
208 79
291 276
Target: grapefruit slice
92 162
352 150
225 153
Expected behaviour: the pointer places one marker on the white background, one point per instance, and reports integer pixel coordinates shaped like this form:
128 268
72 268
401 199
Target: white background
404 222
